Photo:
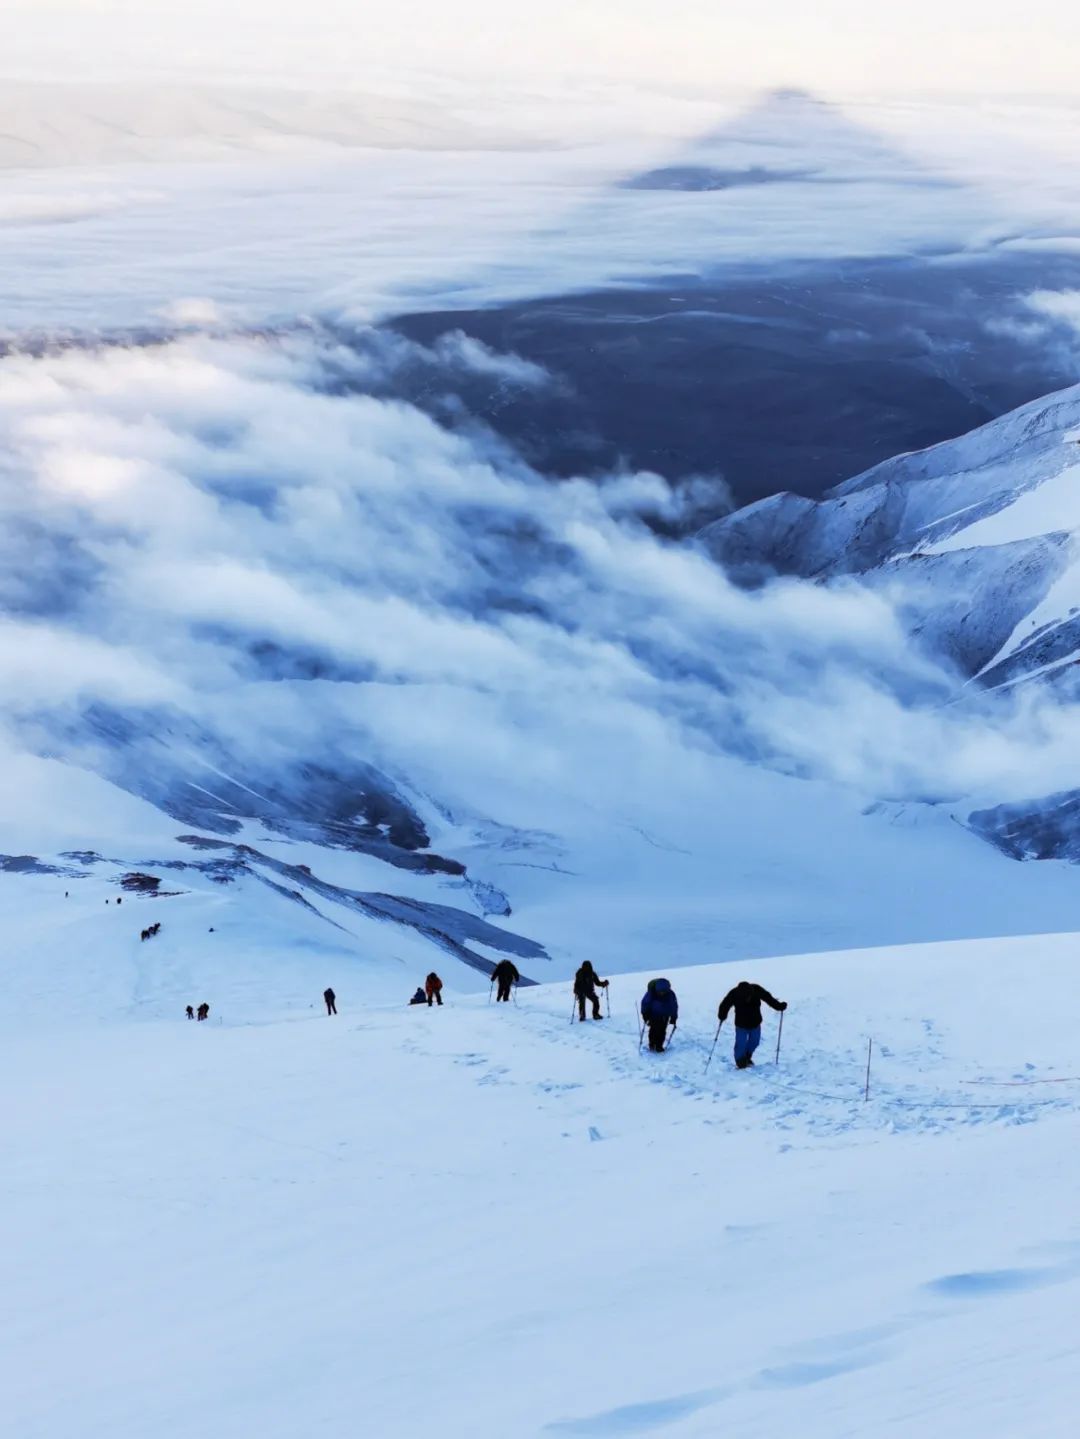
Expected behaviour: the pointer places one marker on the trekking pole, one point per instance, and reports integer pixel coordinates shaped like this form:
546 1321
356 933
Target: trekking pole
869 1051
779 1037
491 990
573 1006
712 1051
640 1035
513 994
607 999
671 1036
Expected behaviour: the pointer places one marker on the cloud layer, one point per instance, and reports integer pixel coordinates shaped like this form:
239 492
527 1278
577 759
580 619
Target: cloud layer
230 531
314 227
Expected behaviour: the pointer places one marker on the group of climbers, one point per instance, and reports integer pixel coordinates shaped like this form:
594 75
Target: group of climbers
660 1008
659 1005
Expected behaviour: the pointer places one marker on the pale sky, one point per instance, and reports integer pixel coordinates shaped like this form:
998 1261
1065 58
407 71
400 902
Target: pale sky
832 46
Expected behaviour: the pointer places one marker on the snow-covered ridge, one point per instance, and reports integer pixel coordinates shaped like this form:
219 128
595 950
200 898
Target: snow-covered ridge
976 544
978 535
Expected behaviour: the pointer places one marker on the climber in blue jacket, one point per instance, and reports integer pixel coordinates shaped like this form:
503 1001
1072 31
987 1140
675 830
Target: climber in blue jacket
659 1008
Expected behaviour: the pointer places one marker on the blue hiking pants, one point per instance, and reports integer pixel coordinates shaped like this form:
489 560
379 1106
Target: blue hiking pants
746 1041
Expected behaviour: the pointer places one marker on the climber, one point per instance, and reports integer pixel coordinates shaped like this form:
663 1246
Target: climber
585 983
746 999
659 1008
504 975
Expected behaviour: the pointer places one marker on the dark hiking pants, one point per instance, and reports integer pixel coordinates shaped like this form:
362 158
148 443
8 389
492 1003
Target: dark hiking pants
504 991
592 998
331 1006
657 1034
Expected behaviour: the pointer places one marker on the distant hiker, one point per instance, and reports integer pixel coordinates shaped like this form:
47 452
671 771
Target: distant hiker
330 999
119 899
145 935
433 989
746 1000
585 983
419 997
505 974
189 1012
203 1012
659 1008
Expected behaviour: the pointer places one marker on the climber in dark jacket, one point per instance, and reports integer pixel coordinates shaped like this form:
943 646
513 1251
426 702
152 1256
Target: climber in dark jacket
659 1008
504 975
419 997
585 983
746 999
433 989
330 1000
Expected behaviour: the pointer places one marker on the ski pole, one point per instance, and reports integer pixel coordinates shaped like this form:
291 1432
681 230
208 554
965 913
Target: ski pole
779 1036
712 1051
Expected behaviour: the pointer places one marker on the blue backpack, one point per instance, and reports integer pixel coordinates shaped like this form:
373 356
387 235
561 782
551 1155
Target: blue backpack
659 1002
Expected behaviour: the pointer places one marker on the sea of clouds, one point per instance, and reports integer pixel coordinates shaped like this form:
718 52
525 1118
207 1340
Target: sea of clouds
269 215
246 535
219 518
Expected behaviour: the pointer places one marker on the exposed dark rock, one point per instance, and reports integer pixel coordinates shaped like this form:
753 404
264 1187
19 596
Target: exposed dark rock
29 864
140 883
1039 829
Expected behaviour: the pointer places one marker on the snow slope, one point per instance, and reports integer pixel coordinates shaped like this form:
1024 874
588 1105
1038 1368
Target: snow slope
660 875
989 518
482 1221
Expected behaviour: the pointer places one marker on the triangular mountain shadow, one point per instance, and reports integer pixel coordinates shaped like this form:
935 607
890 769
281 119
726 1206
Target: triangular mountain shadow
786 336
786 135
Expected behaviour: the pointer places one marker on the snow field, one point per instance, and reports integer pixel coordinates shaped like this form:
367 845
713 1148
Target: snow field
486 1221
